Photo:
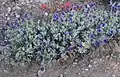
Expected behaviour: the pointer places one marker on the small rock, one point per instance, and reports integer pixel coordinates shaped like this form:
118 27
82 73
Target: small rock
83 71
79 73
16 8
113 75
8 18
17 16
115 43
5 71
61 75
31 1
75 63
111 44
95 62
9 9
27 1
86 69
6 15
40 72
116 49
46 14
89 66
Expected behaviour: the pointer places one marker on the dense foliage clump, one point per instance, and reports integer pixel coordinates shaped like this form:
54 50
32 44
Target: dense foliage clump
70 30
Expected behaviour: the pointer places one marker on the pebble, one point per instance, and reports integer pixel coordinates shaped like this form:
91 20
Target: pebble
113 75
46 14
42 1
115 43
61 75
95 62
74 64
40 72
17 16
86 69
27 1
6 15
31 1
8 18
16 7
5 71
79 73
9 9
89 66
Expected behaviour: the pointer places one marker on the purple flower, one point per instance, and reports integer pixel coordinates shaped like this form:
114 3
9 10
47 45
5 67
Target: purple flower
97 43
75 7
118 8
99 30
4 28
68 33
91 4
70 20
92 36
102 25
112 32
55 16
16 22
8 24
63 13
106 41
61 20
70 48
27 15
114 8
71 14
104 19
81 46
66 10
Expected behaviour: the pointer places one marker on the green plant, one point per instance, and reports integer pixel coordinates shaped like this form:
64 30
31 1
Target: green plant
44 41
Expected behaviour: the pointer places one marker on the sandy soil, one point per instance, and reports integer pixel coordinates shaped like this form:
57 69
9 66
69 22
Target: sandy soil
102 63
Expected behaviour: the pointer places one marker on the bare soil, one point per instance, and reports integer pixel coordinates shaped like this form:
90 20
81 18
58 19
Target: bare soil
102 63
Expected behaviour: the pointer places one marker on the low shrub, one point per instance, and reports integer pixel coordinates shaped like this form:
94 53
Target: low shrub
67 31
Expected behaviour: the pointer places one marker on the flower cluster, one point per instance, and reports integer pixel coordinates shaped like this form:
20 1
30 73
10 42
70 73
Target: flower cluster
77 31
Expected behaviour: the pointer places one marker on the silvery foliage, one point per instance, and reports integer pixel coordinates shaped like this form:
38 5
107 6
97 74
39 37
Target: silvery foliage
43 41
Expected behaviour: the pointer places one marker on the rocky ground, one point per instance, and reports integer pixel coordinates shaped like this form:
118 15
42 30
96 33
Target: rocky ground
104 62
